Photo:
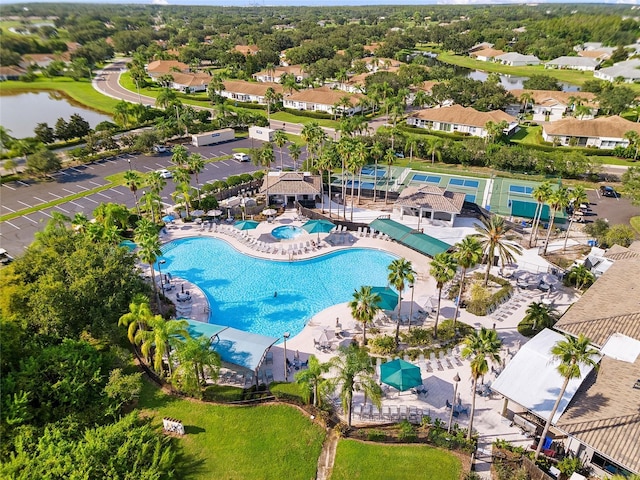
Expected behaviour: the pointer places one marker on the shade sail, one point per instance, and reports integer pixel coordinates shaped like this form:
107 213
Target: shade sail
400 374
388 297
246 224
420 242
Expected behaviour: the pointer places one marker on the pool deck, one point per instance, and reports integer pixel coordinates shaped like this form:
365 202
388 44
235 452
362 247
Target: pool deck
488 420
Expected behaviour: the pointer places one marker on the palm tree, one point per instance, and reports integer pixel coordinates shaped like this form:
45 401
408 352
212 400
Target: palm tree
325 164
492 235
138 316
540 316
580 276
149 248
558 201
311 379
121 113
400 272
270 96
133 181
197 363
360 156
195 164
179 155
389 158
634 141
540 194
468 253
165 98
421 99
573 354
364 308
411 144
578 197
161 336
354 372
480 346
443 270
526 99
377 152
435 149
295 151
280 139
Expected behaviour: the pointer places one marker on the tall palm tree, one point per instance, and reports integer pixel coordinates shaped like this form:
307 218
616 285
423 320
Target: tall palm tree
354 372
280 139
133 181
558 202
295 151
165 98
481 347
377 152
578 196
468 254
364 306
435 149
526 99
443 270
137 317
195 164
573 354
389 159
148 248
179 155
325 164
540 194
163 334
400 272
312 379
492 235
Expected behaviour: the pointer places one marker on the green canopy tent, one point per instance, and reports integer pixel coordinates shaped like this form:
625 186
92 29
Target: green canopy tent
246 224
388 298
400 375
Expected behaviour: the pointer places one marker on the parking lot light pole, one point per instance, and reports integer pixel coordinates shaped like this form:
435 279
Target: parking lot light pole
456 379
286 369
160 262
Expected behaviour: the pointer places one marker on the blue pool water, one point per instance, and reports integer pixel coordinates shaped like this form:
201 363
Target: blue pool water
240 288
286 232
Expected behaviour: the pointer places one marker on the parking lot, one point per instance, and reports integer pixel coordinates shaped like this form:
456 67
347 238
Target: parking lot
18 233
615 210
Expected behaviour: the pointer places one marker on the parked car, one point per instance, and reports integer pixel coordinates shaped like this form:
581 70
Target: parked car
241 157
5 258
164 173
159 148
608 191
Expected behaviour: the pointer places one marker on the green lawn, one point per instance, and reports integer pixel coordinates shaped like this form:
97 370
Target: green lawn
528 135
261 442
635 223
288 117
387 462
81 91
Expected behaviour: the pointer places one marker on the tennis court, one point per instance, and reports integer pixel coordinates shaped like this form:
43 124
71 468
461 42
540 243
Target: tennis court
422 178
473 188
511 197
373 172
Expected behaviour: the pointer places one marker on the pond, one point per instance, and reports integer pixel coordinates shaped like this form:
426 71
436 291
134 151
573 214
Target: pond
21 113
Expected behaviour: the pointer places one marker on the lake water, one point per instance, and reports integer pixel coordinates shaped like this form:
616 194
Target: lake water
20 113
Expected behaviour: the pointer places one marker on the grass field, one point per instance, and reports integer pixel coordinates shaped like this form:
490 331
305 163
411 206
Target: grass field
81 91
288 117
357 460
635 223
262 442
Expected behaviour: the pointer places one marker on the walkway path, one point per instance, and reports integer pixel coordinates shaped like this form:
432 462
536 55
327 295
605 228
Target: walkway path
327 456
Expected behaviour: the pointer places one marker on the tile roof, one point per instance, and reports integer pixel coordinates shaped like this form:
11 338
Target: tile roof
611 127
574 61
618 252
165 66
251 88
247 49
292 183
487 52
431 197
463 115
611 305
604 413
323 96
279 70
553 97
517 57
12 71
191 79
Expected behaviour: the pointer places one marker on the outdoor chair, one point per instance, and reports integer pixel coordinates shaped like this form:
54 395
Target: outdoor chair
448 405
385 413
358 411
403 412
395 413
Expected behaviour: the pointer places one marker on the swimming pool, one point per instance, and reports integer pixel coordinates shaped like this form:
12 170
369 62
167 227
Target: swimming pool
240 288
286 232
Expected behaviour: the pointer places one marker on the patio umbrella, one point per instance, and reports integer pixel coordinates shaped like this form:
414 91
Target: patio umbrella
168 218
400 375
388 298
246 224
214 213
318 226
128 244
269 211
197 213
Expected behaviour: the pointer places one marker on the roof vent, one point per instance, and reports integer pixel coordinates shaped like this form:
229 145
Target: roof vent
637 384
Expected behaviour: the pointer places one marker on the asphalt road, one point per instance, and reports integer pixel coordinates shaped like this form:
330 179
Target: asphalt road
18 233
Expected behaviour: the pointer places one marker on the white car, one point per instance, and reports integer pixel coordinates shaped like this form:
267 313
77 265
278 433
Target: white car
159 148
241 157
165 173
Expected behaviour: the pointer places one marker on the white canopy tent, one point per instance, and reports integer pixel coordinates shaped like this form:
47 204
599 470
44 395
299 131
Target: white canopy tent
531 378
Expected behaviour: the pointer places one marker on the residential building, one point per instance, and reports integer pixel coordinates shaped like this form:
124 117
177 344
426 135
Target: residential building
514 59
11 73
286 188
43 60
604 132
249 91
552 105
629 71
573 63
430 202
480 46
158 68
465 120
375 64
600 55
486 54
190 82
247 49
276 74
323 99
